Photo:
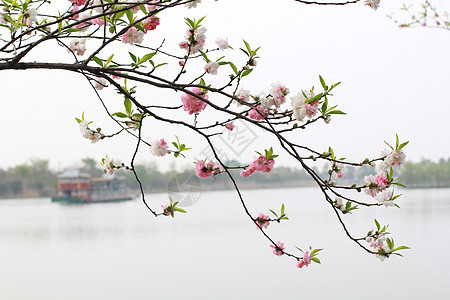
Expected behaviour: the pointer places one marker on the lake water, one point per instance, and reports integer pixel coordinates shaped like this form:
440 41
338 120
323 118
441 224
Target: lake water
119 250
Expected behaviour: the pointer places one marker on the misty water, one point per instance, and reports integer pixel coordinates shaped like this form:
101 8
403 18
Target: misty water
120 251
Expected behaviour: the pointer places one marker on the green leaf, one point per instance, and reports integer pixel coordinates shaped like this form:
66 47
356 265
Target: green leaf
130 16
234 68
147 57
315 251
98 61
133 57
248 47
204 55
119 115
401 248
315 259
274 213
322 82
403 145
118 15
336 112
378 225
282 209
128 105
246 72
109 60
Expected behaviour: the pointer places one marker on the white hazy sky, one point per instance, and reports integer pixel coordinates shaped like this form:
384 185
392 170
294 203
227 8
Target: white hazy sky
393 81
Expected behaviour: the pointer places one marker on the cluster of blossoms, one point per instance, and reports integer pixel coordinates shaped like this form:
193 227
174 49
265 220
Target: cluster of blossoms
305 261
302 108
206 170
78 46
108 163
94 137
262 221
372 3
378 243
195 40
376 184
261 164
392 158
278 248
277 96
159 148
191 103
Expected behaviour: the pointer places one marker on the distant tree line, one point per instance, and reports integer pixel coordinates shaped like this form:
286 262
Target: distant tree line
426 173
36 179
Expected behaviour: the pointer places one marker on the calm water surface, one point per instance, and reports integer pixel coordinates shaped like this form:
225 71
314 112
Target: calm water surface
113 251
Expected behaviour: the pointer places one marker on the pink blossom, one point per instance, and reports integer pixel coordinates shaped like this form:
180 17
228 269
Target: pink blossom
181 63
385 197
339 170
78 46
133 36
192 104
98 21
230 126
248 171
243 95
30 16
94 137
279 92
305 261
193 3
159 148
372 3
302 109
151 23
211 68
262 221
100 83
167 210
195 40
79 2
278 249
255 114
204 171
395 158
261 164
115 76
376 184
222 43
109 165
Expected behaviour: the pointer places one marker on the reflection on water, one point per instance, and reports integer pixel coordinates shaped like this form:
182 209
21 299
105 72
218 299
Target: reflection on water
120 251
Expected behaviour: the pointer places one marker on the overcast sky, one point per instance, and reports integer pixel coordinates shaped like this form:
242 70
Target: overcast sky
393 81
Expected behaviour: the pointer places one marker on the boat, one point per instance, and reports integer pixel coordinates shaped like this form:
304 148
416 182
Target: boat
77 187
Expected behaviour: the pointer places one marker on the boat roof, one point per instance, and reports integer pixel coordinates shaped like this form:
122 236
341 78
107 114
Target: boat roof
73 174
